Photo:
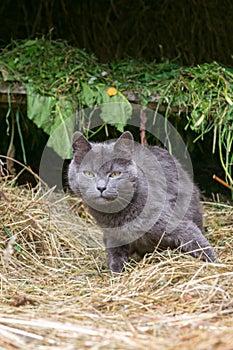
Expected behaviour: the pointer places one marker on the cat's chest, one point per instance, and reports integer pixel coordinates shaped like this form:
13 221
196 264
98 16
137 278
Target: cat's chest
120 219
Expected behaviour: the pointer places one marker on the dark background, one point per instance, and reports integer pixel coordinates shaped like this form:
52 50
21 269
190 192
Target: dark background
192 31
189 32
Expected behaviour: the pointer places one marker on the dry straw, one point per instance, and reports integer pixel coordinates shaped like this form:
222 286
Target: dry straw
57 293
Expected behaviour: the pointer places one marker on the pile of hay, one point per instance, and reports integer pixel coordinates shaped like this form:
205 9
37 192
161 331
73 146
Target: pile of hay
57 293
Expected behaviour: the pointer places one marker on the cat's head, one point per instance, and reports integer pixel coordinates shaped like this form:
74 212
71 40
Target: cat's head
104 174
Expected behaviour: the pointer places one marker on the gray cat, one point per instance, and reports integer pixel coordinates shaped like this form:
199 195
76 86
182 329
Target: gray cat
141 197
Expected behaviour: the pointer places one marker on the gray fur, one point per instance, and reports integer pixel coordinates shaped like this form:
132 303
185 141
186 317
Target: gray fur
153 203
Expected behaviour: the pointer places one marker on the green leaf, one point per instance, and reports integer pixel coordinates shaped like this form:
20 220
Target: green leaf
87 96
9 234
116 112
39 109
62 129
21 136
55 117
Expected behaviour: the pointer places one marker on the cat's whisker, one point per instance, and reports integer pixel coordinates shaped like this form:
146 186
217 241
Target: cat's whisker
126 201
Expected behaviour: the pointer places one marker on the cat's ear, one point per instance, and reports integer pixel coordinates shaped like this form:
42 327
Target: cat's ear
80 146
125 144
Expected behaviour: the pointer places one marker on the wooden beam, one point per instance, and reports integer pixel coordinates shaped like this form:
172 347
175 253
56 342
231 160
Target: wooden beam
17 93
18 96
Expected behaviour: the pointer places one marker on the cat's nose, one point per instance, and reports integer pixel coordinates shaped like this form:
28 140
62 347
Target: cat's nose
101 185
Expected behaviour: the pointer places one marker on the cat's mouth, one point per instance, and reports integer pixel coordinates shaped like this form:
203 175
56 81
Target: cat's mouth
101 198
108 198
107 203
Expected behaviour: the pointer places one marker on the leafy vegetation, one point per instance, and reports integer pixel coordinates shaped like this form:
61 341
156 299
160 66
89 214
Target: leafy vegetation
60 79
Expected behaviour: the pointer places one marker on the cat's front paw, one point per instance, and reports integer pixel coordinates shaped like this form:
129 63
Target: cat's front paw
116 267
205 253
117 257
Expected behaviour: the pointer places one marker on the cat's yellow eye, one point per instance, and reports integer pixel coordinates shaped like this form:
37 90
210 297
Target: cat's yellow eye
88 173
115 174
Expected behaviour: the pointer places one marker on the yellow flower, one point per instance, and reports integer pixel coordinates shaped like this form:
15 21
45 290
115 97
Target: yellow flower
112 91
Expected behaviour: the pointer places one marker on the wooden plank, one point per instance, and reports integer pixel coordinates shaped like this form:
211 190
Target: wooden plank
18 96
17 93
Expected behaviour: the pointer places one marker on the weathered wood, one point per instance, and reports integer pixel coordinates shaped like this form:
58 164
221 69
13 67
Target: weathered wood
18 96
17 93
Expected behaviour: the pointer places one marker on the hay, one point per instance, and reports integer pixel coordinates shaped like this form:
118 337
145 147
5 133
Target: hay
57 293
